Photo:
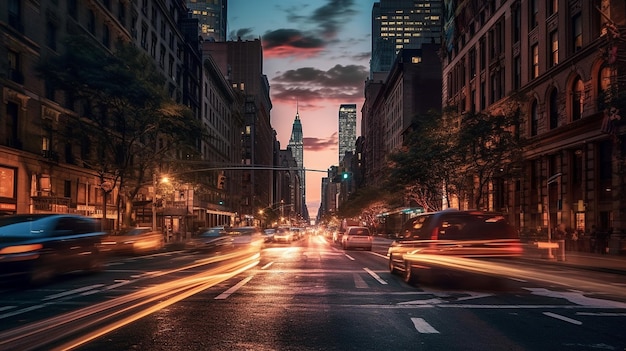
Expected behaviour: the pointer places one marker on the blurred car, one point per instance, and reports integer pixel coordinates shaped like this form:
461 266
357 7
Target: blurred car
40 246
468 234
269 234
283 235
245 236
297 233
211 240
357 237
133 241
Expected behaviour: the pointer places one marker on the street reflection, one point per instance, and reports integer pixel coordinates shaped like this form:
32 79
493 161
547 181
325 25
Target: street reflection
104 317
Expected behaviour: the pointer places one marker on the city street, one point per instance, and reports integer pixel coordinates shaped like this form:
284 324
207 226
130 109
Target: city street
312 295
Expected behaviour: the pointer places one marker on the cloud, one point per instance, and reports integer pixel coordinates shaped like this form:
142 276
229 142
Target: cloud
326 22
321 144
243 33
310 84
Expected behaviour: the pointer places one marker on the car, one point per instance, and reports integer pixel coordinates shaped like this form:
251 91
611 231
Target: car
269 234
37 247
297 233
453 233
283 235
357 237
212 239
133 241
246 236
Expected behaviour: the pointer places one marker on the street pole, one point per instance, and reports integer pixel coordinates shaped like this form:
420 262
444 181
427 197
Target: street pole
154 203
551 180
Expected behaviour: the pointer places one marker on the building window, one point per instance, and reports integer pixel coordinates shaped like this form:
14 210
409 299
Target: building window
483 53
553 7
72 8
472 63
517 24
604 86
534 13
517 78
554 48
534 69
15 69
578 99
91 22
15 14
106 36
577 30
554 109
534 119
51 36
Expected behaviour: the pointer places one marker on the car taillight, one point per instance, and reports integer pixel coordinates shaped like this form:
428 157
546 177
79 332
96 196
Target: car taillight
435 234
11 250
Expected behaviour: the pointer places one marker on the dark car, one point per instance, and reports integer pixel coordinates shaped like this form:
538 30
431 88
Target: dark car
133 241
38 247
211 240
467 234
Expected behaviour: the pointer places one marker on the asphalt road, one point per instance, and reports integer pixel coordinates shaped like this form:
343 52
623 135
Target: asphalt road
312 295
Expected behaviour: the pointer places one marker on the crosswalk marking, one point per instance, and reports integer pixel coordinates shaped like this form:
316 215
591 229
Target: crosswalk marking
423 327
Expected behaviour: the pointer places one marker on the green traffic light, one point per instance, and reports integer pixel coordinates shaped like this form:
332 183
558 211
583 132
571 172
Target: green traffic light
345 175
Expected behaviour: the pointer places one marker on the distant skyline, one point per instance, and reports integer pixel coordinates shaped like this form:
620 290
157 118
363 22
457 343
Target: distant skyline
316 56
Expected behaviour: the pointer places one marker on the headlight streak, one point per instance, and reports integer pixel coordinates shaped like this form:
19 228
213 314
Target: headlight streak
503 269
118 312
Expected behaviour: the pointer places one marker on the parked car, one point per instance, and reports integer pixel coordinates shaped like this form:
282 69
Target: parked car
211 240
133 241
357 237
283 235
468 234
38 247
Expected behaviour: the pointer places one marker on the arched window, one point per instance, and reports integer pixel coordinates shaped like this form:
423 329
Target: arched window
604 86
554 109
578 99
534 119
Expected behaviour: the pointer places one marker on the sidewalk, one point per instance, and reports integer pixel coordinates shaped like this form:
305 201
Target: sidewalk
592 261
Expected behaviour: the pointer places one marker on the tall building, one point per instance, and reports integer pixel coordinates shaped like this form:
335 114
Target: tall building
212 18
402 24
560 61
297 149
347 129
241 62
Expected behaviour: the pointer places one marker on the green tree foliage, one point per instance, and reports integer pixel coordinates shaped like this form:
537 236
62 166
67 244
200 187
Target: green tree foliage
450 155
124 123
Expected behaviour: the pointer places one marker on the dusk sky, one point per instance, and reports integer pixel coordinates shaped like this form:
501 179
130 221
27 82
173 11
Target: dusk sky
316 56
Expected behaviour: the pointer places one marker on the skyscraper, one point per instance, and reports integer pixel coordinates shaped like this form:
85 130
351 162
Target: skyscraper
402 24
297 148
347 129
211 15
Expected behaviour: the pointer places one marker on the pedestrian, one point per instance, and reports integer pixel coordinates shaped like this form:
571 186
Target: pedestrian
573 237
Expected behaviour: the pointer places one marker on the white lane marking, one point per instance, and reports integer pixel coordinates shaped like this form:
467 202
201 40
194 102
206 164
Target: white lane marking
601 314
380 280
349 257
71 292
267 265
563 318
24 310
423 327
4 308
578 298
379 255
234 288
359 282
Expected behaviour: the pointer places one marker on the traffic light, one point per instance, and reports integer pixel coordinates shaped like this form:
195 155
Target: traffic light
345 175
221 181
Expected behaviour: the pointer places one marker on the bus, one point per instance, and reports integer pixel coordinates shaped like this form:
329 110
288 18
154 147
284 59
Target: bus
390 223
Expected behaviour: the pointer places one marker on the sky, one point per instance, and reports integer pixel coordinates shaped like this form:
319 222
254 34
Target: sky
316 56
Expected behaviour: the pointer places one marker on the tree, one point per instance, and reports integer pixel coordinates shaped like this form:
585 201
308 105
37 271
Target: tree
124 121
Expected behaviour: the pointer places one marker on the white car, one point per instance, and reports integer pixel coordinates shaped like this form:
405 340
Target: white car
357 237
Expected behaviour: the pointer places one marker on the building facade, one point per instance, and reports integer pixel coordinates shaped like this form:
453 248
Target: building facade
562 60
402 24
347 129
296 145
212 18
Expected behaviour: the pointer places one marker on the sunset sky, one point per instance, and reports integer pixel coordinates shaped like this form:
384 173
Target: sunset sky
316 57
